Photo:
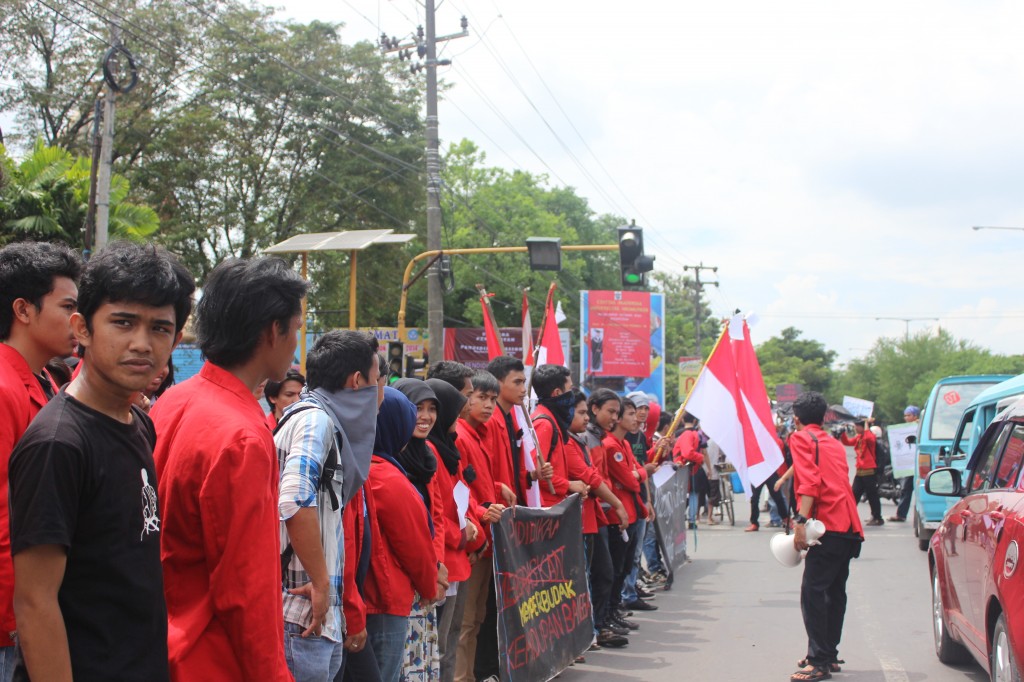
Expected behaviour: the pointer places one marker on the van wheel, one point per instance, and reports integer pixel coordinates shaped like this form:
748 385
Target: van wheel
1001 660
946 649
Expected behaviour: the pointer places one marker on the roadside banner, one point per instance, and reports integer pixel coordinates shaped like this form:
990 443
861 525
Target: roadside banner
689 370
858 407
903 449
540 576
671 493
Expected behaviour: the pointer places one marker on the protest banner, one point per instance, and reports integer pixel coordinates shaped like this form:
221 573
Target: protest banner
858 407
671 493
468 345
540 577
903 449
689 370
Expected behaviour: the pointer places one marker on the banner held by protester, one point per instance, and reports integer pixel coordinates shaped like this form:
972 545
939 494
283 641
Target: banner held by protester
544 613
672 490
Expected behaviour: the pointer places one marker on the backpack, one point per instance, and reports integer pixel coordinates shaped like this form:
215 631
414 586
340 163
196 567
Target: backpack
326 475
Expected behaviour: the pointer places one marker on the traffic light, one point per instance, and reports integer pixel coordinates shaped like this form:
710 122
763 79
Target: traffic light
414 366
396 359
633 262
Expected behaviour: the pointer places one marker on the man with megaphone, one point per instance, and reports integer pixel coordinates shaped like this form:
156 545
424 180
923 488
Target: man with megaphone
822 487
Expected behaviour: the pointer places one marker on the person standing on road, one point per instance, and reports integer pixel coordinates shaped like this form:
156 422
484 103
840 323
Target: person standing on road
911 415
822 486
865 482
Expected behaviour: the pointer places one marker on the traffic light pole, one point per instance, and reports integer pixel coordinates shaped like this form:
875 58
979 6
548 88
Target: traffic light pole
408 279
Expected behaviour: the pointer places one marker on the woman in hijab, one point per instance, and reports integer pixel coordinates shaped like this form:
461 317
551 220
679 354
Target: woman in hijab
457 541
422 654
404 566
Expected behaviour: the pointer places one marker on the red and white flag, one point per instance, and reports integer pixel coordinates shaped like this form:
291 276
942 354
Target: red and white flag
527 331
494 345
731 401
550 340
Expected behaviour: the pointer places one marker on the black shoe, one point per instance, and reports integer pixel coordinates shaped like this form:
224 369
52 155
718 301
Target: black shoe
692 526
607 638
644 594
622 622
641 605
617 629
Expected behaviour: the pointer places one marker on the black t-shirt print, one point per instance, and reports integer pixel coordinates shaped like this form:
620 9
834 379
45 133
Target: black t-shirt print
84 481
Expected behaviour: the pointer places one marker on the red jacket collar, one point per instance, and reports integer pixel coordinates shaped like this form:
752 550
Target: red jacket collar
232 384
20 366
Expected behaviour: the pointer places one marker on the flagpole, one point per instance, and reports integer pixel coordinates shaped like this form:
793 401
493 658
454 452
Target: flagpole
659 450
529 382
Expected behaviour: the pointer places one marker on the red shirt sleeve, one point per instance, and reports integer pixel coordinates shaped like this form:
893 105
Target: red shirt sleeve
352 601
807 473
620 467
403 519
686 449
546 435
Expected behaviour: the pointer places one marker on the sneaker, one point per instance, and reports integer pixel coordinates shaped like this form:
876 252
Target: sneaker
658 578
622 622
641 605
692 525
607 638
751 528
875 522
644 594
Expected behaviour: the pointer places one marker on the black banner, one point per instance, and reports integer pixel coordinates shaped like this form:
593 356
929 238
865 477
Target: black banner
540 574
670 507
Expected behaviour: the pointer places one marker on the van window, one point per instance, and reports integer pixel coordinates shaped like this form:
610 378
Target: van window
949 405
963 434
981 479
1010 462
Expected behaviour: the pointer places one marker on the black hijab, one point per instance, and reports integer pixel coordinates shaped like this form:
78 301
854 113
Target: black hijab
450 404
416 457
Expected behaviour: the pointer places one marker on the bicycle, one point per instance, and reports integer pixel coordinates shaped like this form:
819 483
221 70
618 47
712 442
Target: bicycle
724 505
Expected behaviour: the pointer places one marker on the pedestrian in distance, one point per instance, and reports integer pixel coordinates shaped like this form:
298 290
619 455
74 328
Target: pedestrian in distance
86 522
822 486
218 479
38 295
865 482
911 415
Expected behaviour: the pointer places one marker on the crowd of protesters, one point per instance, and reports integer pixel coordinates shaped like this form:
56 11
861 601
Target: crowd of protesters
157 531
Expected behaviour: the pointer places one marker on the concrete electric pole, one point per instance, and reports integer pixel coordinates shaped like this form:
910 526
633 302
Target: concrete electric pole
425 44
699 289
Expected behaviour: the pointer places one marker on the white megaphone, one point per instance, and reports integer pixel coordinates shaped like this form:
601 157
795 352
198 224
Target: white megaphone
786 552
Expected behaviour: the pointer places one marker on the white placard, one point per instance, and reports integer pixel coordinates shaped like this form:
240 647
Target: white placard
461 494
903 454
858 407
662 474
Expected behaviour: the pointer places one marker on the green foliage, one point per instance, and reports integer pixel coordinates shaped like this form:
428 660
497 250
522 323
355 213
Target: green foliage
46 197
901 372
787 358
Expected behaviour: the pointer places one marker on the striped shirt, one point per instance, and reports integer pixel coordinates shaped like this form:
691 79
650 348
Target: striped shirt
303 444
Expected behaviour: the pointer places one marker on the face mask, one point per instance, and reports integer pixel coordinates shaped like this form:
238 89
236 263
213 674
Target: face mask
563 406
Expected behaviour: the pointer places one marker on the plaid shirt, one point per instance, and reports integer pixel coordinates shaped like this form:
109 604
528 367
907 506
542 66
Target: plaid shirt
302 448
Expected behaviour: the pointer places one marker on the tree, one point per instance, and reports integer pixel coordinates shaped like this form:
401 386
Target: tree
46 197
898 372
787 358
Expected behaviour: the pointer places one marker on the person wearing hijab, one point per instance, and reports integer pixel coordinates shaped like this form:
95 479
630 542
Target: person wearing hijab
458 537
419 459
403 562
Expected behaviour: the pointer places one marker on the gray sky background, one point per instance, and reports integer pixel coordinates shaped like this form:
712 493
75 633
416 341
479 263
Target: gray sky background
829 158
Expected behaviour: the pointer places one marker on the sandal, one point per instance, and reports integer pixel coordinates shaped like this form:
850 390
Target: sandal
811 673
833 667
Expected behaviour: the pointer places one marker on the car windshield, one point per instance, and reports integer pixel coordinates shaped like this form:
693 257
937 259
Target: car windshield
950 404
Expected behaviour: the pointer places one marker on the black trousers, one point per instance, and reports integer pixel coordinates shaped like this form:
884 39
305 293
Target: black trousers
599 566
755 500
359 666
868 486
622 553
823 595
486 663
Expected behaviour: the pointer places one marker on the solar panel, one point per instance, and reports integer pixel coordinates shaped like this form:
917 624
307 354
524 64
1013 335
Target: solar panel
347 240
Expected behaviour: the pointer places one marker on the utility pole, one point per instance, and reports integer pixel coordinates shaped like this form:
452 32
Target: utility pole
906 321
699 289
426 48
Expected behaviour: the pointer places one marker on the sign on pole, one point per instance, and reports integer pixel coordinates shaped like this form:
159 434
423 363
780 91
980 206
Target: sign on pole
858 407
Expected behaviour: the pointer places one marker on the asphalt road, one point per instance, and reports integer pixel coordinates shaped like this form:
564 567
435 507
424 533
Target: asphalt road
734 614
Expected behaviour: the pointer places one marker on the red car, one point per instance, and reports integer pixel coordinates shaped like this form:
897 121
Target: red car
974 556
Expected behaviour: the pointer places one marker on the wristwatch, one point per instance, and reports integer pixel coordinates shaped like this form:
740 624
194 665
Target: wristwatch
799 519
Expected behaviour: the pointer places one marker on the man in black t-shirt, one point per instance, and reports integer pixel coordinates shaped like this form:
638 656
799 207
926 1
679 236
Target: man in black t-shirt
85 523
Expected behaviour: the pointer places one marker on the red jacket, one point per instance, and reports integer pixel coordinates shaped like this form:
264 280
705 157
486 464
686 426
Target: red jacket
498 446
598 460
352 519
220 541
471 443
579 470
864 445
551 446
403 551
21 398
827 480
453 549
621 465
687 448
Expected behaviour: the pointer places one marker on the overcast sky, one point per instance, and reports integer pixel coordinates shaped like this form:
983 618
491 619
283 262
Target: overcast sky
829 158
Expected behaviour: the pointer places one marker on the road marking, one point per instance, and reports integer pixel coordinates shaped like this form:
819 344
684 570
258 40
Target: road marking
891 666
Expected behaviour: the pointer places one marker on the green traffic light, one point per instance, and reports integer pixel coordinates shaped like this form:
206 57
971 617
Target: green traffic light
633 278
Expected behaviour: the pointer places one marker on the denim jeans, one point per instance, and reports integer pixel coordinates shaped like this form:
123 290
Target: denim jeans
8 661
387 635
633 567
651 552
310 659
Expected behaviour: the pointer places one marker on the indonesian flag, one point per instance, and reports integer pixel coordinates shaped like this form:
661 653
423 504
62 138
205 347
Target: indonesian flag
527 331
731 401
494 345
550 340
528 448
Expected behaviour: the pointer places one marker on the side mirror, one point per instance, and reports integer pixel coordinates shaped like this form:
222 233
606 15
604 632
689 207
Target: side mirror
944 482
